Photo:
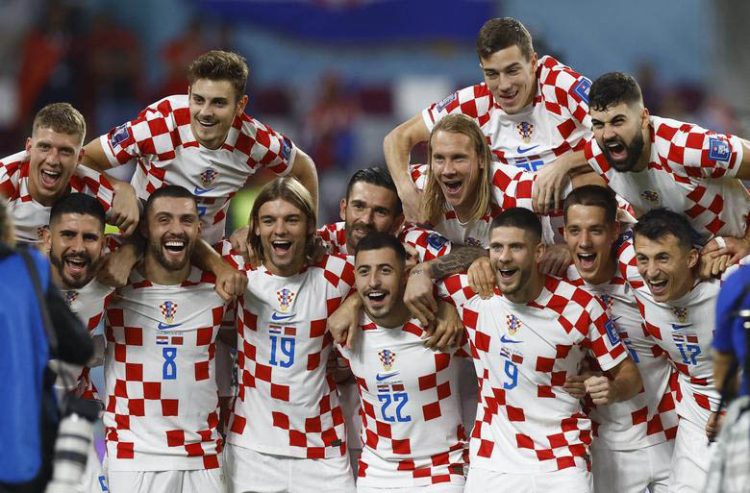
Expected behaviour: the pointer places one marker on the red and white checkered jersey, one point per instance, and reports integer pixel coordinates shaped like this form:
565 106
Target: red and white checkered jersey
683 328
427 243
161 142
411 409
690 171
556 122
89 303
162 407
29 216
286 404
334 236
649 417
526 422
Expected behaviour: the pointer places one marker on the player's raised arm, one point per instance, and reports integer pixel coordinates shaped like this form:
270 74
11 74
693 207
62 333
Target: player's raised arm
397 146
303 169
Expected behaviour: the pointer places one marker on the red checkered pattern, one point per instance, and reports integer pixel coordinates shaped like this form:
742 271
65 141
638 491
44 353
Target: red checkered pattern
557 123
686 176
29 216
89 303
428 244
334 236
648 418
411 413
161 411
526 421
286 404
162 143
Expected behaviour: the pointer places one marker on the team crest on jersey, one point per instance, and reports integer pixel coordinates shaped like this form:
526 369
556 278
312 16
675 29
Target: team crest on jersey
718 149
208 177
70 297
525 130
681 313
168 310
285 297
513 324
387 357
650 196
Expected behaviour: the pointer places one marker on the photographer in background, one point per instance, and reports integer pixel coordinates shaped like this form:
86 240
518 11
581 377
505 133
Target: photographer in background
30 414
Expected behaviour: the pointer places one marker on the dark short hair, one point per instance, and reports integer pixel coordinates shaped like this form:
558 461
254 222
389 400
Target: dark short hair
220 65
593 196
500 33
171 191
518 217
62 118
612 89
375 240
661 222
375 175
77 203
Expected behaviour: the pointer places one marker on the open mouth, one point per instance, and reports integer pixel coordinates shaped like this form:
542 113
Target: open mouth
76 265
507 97
175 246
207 123
507 274
281 246
658 287
453 187
616 149
50 178
586 260
376 296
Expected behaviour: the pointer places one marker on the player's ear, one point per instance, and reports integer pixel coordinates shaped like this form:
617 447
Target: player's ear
28 144
46 239
693 257
342 209
241 104
539 251
644 118
397 223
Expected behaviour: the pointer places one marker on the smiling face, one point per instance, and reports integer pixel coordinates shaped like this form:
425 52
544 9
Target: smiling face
666 266
511 78
590 238
515 256
173 230
75 243
283 230
53 158
369 208
380 283
214 105
619 131
457 168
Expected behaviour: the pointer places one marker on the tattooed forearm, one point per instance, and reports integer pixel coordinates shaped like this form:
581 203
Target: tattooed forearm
458 260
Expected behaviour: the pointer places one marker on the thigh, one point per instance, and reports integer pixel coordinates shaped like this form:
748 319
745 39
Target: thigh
248 471
435 488
203 481
332 475
690 460
144 481
660 460
626 471
93 479
569 480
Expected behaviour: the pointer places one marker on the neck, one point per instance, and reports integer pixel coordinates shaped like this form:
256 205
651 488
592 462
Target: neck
397 317
285 271
530 292
606 273
157 274
646 152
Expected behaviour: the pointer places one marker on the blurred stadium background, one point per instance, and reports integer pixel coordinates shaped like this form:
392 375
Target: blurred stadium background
336 75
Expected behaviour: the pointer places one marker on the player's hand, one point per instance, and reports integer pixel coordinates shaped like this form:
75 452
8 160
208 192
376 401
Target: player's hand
125 212
114 268
239 242
338 369
418 295
601 390
713 425
448 329
736 248
556 260
574 386
344 322
482 277
712 267
230 282
411 201
546 194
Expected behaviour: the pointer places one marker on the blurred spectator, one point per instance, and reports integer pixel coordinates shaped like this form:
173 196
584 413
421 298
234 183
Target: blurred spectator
49 70
328 132
114 73
177 55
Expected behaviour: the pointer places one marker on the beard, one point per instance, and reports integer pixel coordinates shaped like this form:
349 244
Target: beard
633 150
155 246
58 262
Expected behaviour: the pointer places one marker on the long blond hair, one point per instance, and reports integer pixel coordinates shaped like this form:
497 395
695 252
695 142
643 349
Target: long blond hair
433 201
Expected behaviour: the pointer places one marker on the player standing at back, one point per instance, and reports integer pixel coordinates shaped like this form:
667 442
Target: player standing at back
162 406
533 111
531 434
657 162
287 431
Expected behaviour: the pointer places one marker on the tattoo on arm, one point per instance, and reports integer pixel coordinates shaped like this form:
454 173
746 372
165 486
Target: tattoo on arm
458 260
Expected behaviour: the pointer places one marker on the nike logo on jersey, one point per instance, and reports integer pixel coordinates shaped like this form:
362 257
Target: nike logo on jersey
521 150
278 318
163 326
201 191
385 376
508 340
680 326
